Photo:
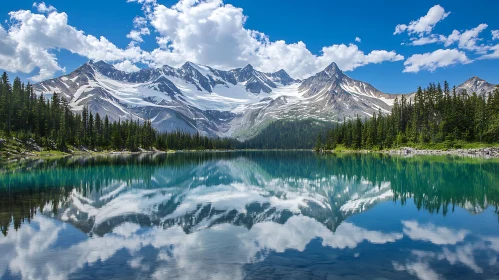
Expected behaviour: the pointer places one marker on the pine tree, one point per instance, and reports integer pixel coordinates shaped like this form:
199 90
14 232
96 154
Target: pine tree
318 145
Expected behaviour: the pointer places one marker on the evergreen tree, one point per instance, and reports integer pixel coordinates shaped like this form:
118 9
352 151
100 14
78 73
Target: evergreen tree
434 115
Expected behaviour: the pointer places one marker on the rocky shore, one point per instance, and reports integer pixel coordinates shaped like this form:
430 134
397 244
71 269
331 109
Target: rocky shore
481 152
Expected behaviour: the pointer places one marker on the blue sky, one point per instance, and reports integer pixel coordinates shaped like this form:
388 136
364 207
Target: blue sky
300 36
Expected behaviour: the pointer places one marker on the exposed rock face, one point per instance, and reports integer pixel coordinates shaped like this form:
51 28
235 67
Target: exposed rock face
236 103
329 95
477 85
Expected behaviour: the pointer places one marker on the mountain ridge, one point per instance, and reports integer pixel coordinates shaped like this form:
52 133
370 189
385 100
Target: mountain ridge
236 103
477 85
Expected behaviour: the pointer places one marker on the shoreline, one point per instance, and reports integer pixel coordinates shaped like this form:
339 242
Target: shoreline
53 154
59 154
486 153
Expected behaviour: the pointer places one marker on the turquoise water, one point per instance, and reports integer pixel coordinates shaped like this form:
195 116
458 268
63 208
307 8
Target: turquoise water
253 215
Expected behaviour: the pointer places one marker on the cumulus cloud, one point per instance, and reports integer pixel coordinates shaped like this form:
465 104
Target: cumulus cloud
126 66
206 32
432 61
495 34
424 40
424 24
466 40
358 40
212 32
190 255
140 29
493 55
32 38
433 234
43 8
421 270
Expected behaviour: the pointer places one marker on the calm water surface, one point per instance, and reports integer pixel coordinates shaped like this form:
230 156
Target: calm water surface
258 215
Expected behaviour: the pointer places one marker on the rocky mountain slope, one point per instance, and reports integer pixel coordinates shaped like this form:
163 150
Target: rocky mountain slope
477 85
236 103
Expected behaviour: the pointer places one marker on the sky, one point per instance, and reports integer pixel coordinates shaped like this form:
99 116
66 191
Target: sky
394 45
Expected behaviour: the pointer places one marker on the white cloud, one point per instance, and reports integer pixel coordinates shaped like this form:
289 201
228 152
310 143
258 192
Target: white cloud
462 254
454 253
493 55
32 38
31 253
422 270
433 234
495 34
424 40
425 24
126 66
358 40
466 40
43 8
206 32
139 29
432 61
213 33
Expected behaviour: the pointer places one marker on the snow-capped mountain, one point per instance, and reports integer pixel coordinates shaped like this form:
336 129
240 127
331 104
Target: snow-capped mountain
236 103
329 95
190 196
477 85
344 94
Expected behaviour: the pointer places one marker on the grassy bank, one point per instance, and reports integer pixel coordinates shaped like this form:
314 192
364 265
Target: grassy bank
13 148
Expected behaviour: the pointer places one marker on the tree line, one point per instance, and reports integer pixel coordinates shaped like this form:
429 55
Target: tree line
49 122
433 116
287 134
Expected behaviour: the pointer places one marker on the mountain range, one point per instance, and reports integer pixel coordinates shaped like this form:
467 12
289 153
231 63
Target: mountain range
237 103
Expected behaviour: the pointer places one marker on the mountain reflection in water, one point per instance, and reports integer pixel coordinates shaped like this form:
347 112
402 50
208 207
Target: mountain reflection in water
250 215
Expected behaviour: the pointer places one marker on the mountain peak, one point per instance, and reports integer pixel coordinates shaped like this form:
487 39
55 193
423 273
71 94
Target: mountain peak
477 85
333 69
282 72
101 66
475 78
248 67
188 64
98 62
102 63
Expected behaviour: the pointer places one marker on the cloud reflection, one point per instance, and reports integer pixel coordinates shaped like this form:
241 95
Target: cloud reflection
215 253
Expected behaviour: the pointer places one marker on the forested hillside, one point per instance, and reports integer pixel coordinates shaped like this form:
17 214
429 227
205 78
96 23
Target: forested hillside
434 116
286 134
51 124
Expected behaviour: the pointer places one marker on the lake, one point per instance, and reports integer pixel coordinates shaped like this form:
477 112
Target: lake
250 215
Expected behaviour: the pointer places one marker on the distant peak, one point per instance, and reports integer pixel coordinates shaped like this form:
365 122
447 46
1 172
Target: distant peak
93 62
187 64
333 68
475 78
167 67
248 67
333 71
100 65
87 67
282 72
